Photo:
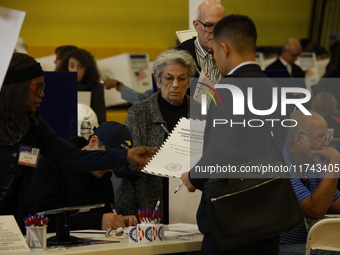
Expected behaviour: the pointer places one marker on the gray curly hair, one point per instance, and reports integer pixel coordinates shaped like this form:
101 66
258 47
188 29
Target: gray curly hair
170 57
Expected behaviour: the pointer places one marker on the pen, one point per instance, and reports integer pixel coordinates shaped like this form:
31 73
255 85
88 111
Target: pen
113 208
157 204
178 187
165 129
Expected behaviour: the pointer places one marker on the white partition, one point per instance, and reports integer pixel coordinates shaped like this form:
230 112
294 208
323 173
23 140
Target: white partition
182 205
307 62
134 70
47 63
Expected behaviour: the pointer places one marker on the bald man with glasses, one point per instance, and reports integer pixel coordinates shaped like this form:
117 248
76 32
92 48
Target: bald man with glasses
200 47
290 52
314 174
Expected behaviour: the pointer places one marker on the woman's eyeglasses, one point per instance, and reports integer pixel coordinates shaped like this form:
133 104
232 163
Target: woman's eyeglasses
39 88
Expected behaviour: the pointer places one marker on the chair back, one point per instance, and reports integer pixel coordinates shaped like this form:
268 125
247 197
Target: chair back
324 235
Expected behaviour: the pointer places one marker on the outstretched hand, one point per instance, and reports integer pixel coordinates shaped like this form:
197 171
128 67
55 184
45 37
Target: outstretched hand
112 83
141 154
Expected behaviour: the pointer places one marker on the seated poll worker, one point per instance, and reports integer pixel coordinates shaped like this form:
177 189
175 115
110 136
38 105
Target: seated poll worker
307 149
55 186
22 130
60 53
290 52
234 52
173 70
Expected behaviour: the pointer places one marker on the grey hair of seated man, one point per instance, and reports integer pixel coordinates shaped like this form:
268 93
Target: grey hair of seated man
302 126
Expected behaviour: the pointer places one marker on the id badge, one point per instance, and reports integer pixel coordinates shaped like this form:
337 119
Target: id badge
28 156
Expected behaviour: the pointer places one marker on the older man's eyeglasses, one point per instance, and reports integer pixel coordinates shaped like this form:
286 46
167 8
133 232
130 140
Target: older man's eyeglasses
322 139
208 27
39 88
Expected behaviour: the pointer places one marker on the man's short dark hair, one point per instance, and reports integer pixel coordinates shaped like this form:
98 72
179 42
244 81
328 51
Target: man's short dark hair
238 30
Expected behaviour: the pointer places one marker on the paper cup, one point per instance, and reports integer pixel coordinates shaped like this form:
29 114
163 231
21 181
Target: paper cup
36 237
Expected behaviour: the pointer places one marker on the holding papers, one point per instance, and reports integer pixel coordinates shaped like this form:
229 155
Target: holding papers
180 151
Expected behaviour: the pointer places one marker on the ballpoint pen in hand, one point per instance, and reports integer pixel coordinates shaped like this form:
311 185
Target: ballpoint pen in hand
113 208
178 187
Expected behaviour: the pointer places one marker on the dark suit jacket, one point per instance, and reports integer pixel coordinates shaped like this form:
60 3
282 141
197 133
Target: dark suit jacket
221 142
189 46
297 72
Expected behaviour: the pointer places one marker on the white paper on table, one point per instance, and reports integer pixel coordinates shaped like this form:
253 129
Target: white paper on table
168 234
88 233
93 233
10 25
182 227
11 238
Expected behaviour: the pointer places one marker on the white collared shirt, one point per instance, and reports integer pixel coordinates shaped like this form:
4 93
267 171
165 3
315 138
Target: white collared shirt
288 66
242 64
206 62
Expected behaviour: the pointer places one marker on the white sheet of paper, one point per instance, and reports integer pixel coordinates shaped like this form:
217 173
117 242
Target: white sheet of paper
10 25
11 238
180 151
183 227
184 35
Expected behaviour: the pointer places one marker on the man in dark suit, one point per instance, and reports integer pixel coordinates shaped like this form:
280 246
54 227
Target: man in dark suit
290 52
234 52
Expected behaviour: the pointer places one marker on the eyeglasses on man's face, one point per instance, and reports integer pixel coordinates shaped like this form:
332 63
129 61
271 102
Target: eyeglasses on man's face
38 87
320 138
208 27
293 55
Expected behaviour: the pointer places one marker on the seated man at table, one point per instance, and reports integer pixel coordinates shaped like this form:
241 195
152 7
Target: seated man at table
307 151
55 186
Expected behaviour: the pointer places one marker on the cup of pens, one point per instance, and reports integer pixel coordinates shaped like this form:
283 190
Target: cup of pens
150 229
36 231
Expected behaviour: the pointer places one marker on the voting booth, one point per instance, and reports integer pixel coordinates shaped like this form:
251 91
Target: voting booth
307 62
134 70
47 63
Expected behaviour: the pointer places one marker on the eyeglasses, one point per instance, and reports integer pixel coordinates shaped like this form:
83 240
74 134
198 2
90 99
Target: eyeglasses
39 88
169 81
208 27
293 55
321 138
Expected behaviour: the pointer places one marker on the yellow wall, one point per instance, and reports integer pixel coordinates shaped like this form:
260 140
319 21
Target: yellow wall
110 27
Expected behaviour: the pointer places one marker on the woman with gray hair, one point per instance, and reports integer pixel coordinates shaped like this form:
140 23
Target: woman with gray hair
149 122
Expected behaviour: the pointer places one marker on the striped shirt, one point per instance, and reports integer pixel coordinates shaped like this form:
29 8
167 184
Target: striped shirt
206 62
303 188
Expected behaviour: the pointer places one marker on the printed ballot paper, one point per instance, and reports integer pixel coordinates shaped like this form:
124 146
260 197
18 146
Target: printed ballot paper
11 239
180 151
10 25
